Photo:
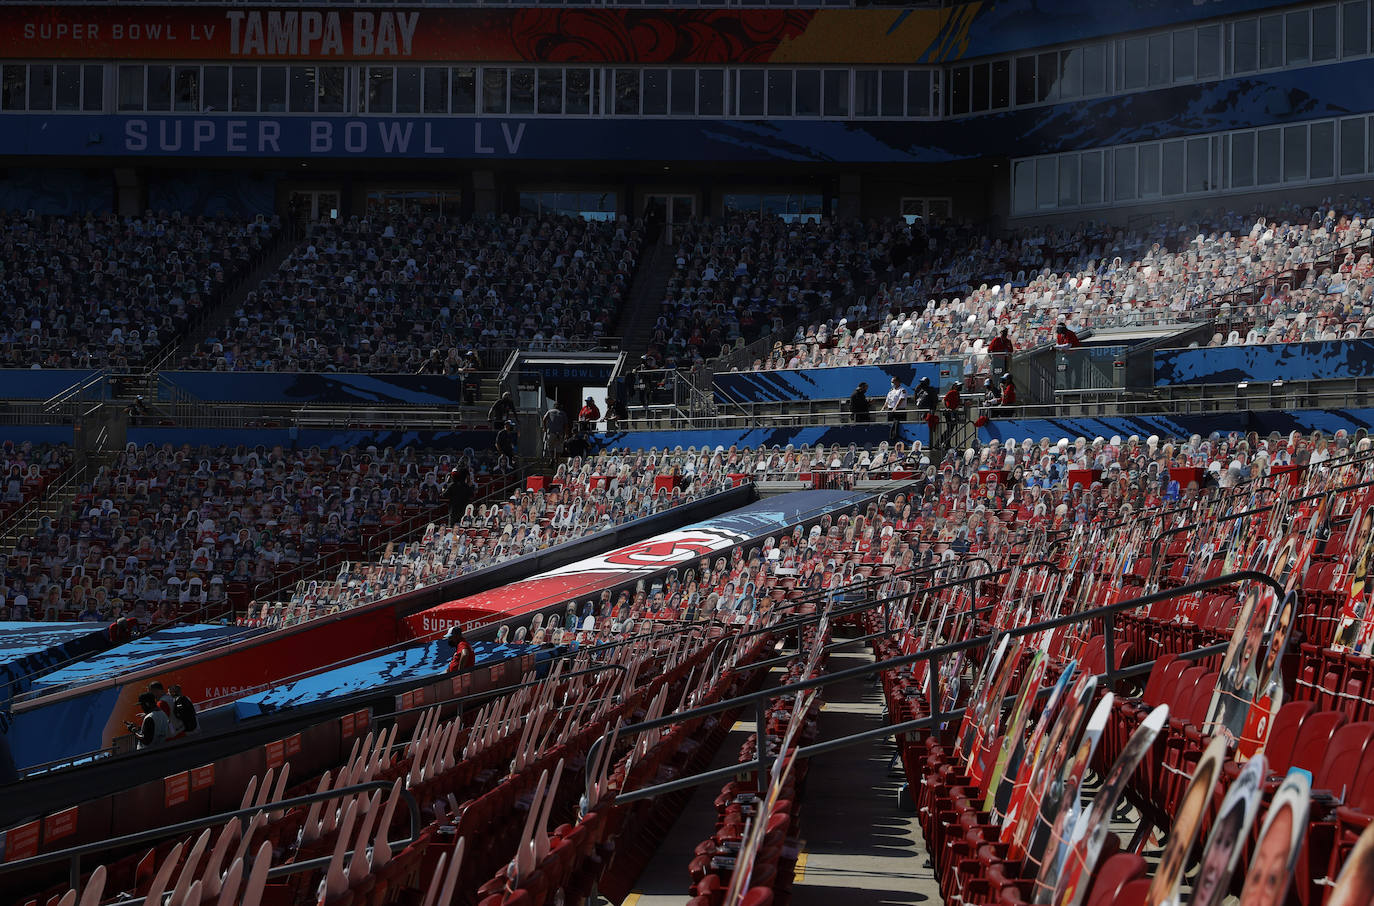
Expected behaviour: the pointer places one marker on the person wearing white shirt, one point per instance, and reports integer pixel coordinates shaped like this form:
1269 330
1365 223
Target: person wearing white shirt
895 407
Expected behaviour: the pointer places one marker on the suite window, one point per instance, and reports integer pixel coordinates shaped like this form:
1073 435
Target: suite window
866 92
245 89
1148 167
1185 55
809 92
214 89
494 90
627 92
41 86
462 89
894 89
301 88
918 91
273 89
1355 28
1047 84
68 86
186 88
1172 163
130 88
836 83
1125 168
1294 153
682 94
1068 180
1161 54
436 89
1001 85
1297 38
1209 52
329 89
14 87
711 92
159 88
656 92
1242 160
550 89
1322 164
1199 164
93 87
1023 186
1134 63
1025 81
381 88
1070 75
577 91
1244 45
1352 146
1270 42
407 89
1090 169
959 91
751 92
980 90
1094 70
1325 34
779 92
1046 183
522 91
1268 154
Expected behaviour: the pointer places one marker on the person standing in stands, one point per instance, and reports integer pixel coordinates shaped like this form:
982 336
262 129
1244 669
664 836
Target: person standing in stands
506 441
502 411
1065 338
459 492
895 407
926 400
152 729
641 382
164 704
183 710
555 424
1000 349
616 413
953 403
463 655
1008 391
468 370
588 415
858 404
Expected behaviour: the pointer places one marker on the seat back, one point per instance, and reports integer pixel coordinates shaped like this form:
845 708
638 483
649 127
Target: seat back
1309 750
1343 757
1283 734
1114 873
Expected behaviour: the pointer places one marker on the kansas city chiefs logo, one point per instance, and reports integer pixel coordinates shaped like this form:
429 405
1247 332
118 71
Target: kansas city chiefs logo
659 552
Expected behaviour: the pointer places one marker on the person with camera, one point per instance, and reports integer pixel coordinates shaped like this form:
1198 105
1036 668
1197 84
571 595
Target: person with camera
154 727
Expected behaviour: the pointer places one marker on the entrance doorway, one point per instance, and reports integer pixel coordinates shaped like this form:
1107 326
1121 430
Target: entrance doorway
663 210
314 205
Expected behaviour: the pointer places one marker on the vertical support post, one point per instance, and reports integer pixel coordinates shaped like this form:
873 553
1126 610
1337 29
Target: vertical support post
1109 646
936 693
761 745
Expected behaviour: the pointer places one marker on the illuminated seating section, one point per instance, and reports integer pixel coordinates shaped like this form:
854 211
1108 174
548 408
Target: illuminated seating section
107 291
519 801
381 293
1268 277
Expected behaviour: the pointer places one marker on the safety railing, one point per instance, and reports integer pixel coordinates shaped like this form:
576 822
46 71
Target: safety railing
73 855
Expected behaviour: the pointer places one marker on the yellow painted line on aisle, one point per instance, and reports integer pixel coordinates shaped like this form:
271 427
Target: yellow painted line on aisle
800 874
631 900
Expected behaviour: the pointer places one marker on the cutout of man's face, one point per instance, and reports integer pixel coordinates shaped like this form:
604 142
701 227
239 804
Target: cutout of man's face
1267 881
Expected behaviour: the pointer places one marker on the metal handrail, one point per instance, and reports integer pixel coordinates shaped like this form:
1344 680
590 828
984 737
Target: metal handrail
74 853
934 654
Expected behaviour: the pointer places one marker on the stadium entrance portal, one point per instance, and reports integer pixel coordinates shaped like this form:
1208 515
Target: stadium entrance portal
662 211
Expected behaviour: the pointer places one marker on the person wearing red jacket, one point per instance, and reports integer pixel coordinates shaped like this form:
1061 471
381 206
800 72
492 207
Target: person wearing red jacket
953 403
1008 391
588 415
1000 349
1065 338
463 655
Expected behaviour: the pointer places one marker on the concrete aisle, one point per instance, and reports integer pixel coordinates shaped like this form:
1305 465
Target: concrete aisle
665 881
860 847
